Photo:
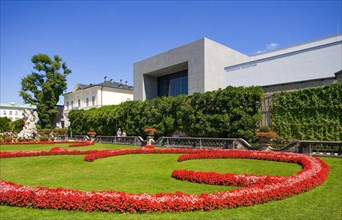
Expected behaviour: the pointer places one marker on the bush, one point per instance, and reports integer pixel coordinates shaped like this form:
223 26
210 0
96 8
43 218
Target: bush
228 112
265 129
309 114
4 124
43 138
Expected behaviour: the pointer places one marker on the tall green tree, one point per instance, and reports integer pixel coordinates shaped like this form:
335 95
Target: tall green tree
44 86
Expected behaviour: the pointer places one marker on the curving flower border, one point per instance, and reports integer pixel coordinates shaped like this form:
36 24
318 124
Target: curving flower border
257 190
41 142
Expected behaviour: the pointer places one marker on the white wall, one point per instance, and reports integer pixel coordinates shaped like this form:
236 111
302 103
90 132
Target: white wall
81 95
313 61
11 113
115 96
217 57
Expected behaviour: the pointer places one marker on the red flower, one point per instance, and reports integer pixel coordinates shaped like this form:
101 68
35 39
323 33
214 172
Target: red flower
257 190
149 130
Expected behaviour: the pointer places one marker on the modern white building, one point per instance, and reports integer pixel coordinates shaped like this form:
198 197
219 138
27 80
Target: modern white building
96 95
14 111
205 65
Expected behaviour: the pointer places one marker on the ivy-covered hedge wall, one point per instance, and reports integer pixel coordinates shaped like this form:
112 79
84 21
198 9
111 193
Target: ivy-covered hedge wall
229 112
309 114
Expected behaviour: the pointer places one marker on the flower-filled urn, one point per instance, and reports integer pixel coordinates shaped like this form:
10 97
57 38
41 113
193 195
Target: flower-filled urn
150 135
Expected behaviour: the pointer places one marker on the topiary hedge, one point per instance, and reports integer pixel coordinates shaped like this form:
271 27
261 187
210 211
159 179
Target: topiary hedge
309 114
228 112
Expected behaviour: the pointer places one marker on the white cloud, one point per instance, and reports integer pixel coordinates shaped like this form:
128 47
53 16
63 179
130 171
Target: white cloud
269 47
272 46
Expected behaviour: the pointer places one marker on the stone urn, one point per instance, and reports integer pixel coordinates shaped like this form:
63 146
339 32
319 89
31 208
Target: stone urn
150 135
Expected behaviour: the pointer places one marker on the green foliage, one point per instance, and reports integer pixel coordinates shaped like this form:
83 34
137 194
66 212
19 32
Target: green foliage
17 125
309 114
43 88
229 112
265 129
5 124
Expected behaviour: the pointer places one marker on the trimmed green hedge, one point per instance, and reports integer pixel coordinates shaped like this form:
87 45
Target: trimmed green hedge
228 112
309 114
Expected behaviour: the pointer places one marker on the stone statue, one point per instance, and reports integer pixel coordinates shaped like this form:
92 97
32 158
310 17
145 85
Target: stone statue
29 129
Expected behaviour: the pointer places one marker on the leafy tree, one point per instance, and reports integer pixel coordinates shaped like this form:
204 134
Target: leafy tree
43 88
4 124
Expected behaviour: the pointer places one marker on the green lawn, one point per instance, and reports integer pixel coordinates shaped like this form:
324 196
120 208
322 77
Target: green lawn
151 174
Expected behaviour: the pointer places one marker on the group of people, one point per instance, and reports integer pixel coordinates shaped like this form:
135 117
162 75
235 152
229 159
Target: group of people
121 133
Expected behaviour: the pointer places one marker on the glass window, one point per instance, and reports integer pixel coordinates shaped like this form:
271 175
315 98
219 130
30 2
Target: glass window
93 100
16 112
10 112
79 103
72 104
67 105
87 101
4 112
173 84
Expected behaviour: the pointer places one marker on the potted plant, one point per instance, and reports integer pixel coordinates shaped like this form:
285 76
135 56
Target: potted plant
91 134
150 131
265 135
150 135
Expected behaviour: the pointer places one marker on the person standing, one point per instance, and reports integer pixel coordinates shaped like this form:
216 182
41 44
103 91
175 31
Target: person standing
119 133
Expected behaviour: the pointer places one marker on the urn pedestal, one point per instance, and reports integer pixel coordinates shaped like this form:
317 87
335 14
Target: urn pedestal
149 137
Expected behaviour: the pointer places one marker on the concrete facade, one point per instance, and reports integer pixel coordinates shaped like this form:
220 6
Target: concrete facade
211 66
204 59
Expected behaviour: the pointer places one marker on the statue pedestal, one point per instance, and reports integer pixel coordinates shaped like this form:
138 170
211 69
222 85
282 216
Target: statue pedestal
149 138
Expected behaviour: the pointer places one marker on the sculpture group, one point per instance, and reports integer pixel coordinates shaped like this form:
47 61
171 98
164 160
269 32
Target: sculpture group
29 129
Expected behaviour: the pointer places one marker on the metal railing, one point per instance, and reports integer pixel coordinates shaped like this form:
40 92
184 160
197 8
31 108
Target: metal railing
129 140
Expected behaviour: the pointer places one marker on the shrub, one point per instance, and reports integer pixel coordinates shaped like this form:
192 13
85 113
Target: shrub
309 114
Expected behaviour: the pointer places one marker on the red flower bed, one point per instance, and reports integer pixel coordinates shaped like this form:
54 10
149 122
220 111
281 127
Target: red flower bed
147 147
257 190
39 142
53 151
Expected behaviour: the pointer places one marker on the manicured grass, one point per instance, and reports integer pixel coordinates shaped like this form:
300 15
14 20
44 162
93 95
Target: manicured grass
151 174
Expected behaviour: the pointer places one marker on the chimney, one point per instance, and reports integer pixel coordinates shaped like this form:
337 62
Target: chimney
120 81
126 82
105 78
111 80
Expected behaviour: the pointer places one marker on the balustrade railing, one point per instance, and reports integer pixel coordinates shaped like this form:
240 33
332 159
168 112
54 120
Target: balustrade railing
325 148
321 148
129 140
196 142
79 137
62 138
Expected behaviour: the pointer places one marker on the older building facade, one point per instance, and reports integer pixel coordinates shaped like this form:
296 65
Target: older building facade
14 111
96 95
205 65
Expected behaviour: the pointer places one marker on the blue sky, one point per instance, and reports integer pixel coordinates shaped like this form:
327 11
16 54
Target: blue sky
105 38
